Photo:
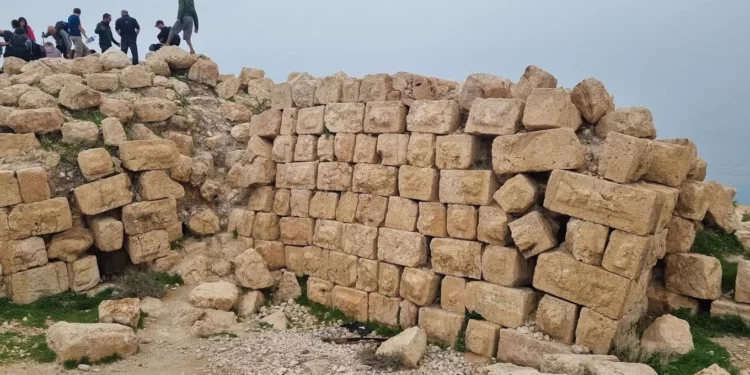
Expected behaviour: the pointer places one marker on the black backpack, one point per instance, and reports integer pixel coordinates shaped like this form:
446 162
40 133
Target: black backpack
62 25
18 47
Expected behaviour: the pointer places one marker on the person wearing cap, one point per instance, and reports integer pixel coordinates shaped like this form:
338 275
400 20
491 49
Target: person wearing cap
106 39
187 17
128 29
164 31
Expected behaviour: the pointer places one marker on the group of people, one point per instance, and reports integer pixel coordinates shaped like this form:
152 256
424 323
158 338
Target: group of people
71 37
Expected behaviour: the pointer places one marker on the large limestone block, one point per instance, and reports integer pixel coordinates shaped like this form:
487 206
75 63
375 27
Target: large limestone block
693 275
126 311
666 203
630 208
12 144
495 117
352 302
483 86
558 273
456 257
103 195
251 270
418 183
54 83
375 179
142 217
592 99
80 133
20 255
320 291
595 331
273 252
517 194
135 77
367 280
661 301
725 307
38 218
11 191
474 187
43 120
630 255
433 116
586 240
122 109
608 367
419 286
155 185
328 234
456 151
70 244
493 225
557 318
103 81
148 246
27 286
509 307
107 233
452 294
440 325
403 248
693 201
311 120
95 163
550 108
385 117
533 77
533 234
389 279
34 184
297 175
365 149
506 266
633 121
36 100
149 155
76 341
462 221
219 295
571 363
76 96
525 350
539 151
342 269
154 109
720 211
204 71
742 283
421 150
625 158
204 222
329 90
409 346
481 337
83 274
670 165
402 214
393 148
345 117
296 231
668 335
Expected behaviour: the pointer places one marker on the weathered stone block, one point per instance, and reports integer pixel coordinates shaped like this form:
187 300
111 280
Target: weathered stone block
367 277
20 255
306 148
633 121
596 331
392 148
441 325
147 246
670 164
550 108
68 245
433 116
10 191
721 206
402 214
142 217
323 205
389 279
462 221
452 294
38 218
273 252
83 274
474 187
27 286
630 255
385 117
297 175
299 202
481 337
586 240
418 183
149 154
456 151
525 350
281 200
457 258
539 151
493 225
371 209
360 240
432 219
483 85
693 275
495 117
352 302
693 201
365 149
375 179
267 124
310 120
108 233
284 148
533 234
33 184
342 269
509 307
343 147
419 286
328 234
557 318
384 309
506 266
625 158
403 248
320 291
296 231
345 117
266 226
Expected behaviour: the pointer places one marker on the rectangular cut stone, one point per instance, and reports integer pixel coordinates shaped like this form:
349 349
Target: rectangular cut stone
266 124
343 147
452 294
571 363
366 149
108 233
474 187
323 205
38 218
389 279
433 116
538 151
421 151
283 148
725 307
83 274
403 248
320 291
299 202
354 303
335 176
375 179
27 286
148 246
371 209
692 202
402 214
385 117
345 117
721 210
306 148
288 121
456 151
462 221
693 275
350 90
418 183
103 195
533 234
456 257
670 165
310 120
367 275
419 286
308 260
10 192
509 307
630 208
326 150
595 331
347 208
296 230
149 154
495 116
625 158
392 148
586 240
359 240
666 204
20 255
481 337
524 350
34 185
440 325
273 252
328 234
742 283
432 219
297 175
384 309
142 217
557 318
558 273
506 266
661 301
630 255
342 269
261 199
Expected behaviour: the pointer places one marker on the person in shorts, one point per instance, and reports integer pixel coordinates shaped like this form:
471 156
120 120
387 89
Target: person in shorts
187 18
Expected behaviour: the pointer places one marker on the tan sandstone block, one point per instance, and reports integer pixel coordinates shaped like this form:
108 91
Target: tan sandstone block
149 154
392 148
266 226
352 302
306 148
419 286
83 274
457 258
432 219
467 187
440 325
384 309
367 276
680 235
630 255
389 279
592 99
550 108
693 275
329 90
142 217
525 350
630 208
375 87
147 246
456 151
20 255
267 124
359 240
33 184
310 120
281 200
342 269
452 294
335 176
343 146
326 146
241 221
10 192
320 291
297 175
27 286
533 234
742 283
155 185
385 117
433 116
273 252
661 301
483 85
462 221
633 121
328 234
418 183
299 202
323 205
506 266
495 117
284 148
108 233
366 149
693 200
407 249
481 337
421 150
38 218
296 231
586 240
375 179
595 331
493 225
509 307
518 194
371 209
557 318
345 117
670 165
533 78
721 206
261 199
539 151
625 158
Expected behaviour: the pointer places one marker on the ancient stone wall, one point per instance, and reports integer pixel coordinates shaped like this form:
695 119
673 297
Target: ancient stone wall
406 200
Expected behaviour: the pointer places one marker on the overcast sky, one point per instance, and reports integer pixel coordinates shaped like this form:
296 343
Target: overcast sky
685 60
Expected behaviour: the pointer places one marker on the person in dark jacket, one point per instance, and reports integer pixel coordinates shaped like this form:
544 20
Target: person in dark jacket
128 29
163 36
187 17
7 35
106 39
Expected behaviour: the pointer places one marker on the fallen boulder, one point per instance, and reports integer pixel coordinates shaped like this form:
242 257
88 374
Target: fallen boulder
76 341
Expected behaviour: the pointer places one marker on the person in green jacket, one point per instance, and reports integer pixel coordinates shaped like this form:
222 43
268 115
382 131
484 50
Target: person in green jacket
186 18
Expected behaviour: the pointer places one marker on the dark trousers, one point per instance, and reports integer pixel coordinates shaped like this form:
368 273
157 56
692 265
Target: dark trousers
130 42
104 47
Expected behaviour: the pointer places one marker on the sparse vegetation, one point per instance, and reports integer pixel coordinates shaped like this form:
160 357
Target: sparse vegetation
719 244
180 75
140 284
176 244
184 101
264 325
93 115
68 153
745 218
16 346
68 307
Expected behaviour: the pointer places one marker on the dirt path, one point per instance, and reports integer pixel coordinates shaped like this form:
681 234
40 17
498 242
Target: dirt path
739 350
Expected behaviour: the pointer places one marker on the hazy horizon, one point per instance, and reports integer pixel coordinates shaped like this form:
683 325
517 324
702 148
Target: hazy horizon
682 60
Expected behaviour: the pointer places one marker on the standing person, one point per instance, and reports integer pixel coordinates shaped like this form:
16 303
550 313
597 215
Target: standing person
77 33
28 31
163 36
106 39
62 38
186 17
128 29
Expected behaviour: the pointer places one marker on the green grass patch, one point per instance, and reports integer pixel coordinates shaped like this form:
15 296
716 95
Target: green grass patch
180 74
15 347
140 284
184 101
72 363
176 244
93 115
745 218
68 307
68 153
264 325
